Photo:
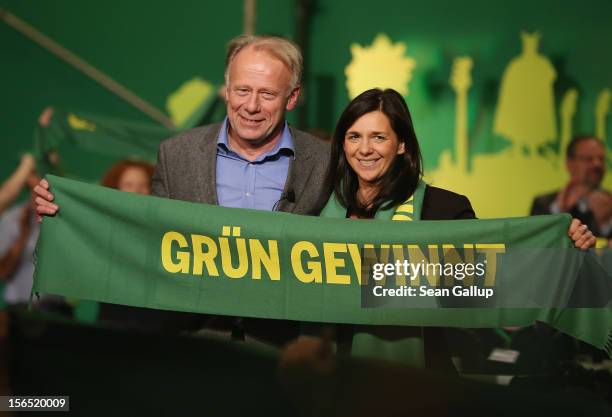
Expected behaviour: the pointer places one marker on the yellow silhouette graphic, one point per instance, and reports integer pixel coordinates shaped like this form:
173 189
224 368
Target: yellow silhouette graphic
461 81
526 107
382 65
602 107
78 123
502 184
188 99
567 111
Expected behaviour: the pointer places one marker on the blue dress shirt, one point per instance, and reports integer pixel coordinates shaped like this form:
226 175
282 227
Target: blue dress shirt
256 184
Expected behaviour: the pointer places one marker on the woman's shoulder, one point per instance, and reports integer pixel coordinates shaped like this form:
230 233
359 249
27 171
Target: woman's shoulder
441 193
441 204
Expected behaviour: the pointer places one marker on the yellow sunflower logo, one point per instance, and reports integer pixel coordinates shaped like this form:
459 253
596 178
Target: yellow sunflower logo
382 65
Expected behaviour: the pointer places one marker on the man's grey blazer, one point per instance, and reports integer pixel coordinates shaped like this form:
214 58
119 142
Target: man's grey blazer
186 170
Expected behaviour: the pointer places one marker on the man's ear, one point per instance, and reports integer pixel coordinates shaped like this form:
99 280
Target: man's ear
293 98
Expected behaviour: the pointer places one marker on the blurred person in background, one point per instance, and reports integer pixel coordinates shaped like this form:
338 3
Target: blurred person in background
11 188
18 236
19 229
584 199
133 177
130 176
582 196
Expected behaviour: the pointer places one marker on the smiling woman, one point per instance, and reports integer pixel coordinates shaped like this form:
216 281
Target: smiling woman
370 147
376 159
376 172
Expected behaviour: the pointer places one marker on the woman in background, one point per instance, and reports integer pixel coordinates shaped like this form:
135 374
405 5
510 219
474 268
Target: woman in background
130 176
135 177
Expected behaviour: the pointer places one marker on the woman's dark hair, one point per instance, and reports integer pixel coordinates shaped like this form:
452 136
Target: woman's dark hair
402 178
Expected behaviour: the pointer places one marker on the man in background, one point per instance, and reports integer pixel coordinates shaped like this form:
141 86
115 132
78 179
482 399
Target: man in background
582 196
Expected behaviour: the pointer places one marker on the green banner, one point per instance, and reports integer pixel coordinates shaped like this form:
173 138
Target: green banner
123 248
72 133
95 139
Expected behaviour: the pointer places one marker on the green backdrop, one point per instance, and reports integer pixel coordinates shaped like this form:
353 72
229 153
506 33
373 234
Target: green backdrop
153 47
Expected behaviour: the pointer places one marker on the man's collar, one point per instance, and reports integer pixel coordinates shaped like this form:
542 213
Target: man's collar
285 142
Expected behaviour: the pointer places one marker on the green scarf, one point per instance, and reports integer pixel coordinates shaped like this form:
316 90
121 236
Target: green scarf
110 246
407 211
408 344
